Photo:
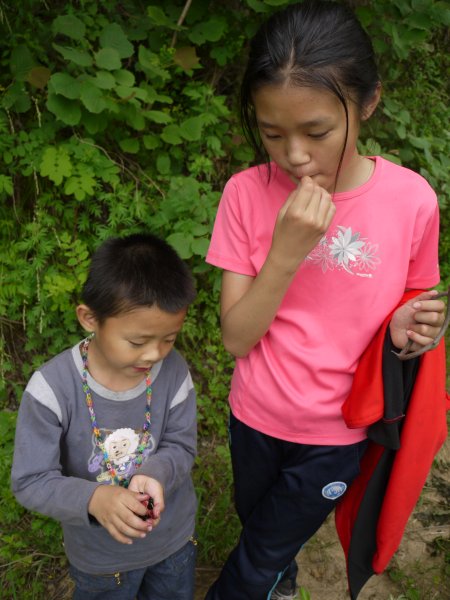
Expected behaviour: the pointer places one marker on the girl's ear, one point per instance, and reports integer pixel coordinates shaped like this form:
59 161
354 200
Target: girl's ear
370 106
86 318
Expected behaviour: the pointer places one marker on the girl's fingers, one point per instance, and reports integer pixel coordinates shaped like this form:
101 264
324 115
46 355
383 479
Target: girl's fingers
419 339
428 306
431 318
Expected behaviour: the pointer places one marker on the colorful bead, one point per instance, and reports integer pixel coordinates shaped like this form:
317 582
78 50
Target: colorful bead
145 435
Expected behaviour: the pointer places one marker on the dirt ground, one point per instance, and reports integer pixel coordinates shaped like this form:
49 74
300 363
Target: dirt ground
420 569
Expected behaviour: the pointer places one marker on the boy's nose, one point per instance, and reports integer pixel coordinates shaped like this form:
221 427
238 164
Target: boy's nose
151 354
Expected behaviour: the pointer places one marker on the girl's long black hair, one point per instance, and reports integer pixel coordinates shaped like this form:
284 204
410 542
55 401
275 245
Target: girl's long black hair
316 43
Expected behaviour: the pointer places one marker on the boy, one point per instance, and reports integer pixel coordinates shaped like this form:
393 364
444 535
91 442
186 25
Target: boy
106 432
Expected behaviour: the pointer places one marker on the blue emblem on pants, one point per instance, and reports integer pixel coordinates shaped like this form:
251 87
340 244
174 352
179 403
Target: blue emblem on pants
334 489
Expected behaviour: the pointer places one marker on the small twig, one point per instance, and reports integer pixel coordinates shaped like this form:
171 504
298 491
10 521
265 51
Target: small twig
180 21
7 321
26 558
123 167
407 354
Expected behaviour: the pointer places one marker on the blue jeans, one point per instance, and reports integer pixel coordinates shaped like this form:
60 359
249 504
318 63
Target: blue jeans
171 579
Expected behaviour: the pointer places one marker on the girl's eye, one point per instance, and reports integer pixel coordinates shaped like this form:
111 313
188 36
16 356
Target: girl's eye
272 136
170 341
318 136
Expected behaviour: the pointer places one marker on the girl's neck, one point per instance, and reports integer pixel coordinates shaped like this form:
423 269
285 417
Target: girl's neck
355 175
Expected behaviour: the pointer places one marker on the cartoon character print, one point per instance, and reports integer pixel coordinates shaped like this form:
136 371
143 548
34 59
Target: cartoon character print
121 446
345 250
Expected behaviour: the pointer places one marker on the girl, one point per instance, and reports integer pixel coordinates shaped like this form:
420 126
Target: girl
317 248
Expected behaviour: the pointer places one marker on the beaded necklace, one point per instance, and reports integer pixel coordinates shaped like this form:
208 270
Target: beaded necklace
100 442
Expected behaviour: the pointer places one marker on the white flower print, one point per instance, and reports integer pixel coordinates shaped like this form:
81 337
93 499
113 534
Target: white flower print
346 247
345 250
367 261
321 255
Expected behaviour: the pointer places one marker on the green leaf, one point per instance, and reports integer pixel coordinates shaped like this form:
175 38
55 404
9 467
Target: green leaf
16 98
158 17
222 54
113 36
157 116
418 142
182 244
7 425
134 117
92 98
171 134
130 145
55 164
68 111
21 62
124 77
208 31
151 64
104 80
200 246
79 57
163 164
6 184
151 142
66 85
108 58
191 129
69 25
80 186
258 6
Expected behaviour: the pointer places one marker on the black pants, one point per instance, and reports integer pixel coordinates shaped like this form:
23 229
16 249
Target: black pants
283 493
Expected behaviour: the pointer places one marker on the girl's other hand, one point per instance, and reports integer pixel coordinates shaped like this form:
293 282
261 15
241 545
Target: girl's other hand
419 320
301 223
117 509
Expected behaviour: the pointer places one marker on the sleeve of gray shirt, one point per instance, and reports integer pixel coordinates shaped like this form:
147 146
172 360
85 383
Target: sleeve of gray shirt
37 478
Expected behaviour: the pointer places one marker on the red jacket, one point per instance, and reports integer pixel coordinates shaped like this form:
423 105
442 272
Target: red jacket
423 431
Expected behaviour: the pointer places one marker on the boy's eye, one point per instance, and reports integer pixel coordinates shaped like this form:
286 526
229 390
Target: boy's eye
136 344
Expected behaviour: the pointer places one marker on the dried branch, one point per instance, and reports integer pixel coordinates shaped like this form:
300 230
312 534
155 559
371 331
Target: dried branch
180 21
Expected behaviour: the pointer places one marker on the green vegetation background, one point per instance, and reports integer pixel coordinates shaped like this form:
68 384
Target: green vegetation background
119 116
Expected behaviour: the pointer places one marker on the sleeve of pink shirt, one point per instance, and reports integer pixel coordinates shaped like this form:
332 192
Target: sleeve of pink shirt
423 267
229 247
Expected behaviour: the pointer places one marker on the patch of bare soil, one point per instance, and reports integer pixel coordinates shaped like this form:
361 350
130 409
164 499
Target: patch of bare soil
419 570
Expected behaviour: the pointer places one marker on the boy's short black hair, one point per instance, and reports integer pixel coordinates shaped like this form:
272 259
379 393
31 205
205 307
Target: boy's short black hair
137 270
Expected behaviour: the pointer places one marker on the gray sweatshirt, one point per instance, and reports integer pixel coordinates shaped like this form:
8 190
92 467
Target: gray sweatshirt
57 465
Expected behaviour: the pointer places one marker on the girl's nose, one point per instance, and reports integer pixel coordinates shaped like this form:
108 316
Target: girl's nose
297 153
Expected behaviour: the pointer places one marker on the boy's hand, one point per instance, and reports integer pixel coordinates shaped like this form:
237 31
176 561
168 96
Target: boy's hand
151 488
117 509
418 320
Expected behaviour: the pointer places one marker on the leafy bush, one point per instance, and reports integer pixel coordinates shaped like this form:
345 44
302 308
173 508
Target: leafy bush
118 118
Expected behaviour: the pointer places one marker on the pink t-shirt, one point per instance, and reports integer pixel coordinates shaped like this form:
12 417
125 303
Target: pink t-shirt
383 239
